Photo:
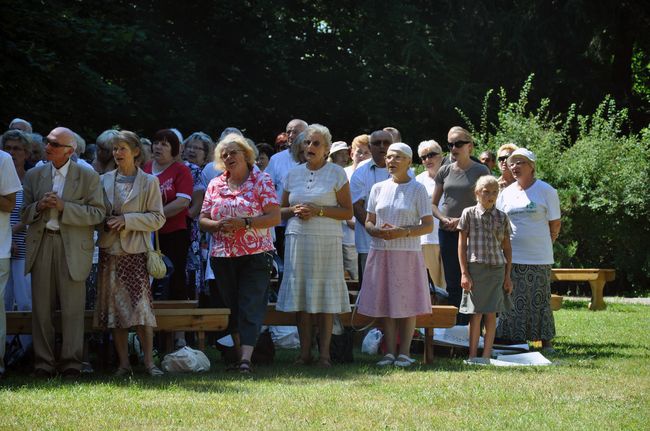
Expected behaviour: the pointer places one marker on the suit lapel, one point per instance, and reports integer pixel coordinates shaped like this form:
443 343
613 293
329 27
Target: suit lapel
45 184
108 182
71 181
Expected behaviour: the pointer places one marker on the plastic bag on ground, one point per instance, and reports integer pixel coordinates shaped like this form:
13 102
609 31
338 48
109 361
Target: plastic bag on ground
186 360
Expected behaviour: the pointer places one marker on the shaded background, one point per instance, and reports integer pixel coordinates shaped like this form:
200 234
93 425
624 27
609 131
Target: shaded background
351 65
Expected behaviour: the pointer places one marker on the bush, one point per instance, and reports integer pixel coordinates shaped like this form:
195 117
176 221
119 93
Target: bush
601 173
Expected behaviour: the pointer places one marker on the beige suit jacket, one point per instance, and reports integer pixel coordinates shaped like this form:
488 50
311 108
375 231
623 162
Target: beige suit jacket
83 209
142 210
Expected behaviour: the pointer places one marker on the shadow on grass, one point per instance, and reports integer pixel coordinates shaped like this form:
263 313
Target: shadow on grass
583 305
580 351
220 381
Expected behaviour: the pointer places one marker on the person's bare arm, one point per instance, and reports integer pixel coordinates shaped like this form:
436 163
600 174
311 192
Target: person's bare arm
175 206
554 226
8 202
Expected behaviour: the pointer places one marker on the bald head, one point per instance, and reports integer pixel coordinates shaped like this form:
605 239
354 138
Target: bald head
64 136
294 128
61 144
397 136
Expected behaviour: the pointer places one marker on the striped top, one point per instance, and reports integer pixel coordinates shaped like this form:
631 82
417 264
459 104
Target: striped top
18 238
486 230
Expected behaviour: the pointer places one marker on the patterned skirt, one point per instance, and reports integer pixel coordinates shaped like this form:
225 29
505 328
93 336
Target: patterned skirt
531 317
123 292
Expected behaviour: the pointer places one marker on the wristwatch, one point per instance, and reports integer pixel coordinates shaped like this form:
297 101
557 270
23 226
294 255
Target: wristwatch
321 213
247 221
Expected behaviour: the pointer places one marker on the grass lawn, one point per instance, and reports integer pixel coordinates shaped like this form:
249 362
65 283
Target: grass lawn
600 380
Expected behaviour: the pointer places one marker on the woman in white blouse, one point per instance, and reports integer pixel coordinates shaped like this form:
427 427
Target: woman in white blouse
315 199
395 285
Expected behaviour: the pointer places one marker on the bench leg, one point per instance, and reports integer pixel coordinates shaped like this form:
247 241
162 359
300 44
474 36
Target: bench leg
428 345
597 287
201 337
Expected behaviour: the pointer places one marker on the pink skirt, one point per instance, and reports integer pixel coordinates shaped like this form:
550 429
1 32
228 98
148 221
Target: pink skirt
394 285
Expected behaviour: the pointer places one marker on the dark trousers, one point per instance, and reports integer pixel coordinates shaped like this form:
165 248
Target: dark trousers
243 284
449 255
279 240
175 245
361 262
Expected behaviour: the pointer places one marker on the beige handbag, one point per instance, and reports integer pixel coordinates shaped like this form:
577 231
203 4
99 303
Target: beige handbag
156 261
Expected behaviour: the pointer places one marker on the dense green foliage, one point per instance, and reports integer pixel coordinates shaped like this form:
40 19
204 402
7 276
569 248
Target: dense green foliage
602 174
352 65
356 66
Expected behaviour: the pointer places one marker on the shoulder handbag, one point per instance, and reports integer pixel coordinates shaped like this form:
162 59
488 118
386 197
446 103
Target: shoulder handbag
158 265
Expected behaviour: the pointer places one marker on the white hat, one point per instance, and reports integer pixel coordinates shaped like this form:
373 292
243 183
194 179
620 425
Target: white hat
402 148
525 153
338 146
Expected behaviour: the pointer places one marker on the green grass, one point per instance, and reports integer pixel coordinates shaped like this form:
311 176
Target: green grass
601 380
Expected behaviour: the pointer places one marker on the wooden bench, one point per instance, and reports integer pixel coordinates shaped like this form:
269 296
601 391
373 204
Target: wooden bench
442 316
168 318
596 278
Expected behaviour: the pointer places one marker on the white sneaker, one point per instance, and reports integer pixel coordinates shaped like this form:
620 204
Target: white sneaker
477 361
403 361
388 359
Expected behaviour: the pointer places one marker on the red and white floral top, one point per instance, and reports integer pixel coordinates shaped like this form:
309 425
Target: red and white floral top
253 195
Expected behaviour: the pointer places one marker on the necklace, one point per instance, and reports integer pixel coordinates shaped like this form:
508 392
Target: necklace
235 185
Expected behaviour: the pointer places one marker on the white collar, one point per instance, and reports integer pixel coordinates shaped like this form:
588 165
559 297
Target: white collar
63 170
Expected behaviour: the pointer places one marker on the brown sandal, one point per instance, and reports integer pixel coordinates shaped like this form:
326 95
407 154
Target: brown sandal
324 363
302 361
245 366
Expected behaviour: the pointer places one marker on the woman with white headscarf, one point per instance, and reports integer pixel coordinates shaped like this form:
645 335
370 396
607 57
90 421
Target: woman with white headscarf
395 285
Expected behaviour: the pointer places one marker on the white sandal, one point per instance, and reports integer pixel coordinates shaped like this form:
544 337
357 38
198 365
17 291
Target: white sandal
403 361
388 359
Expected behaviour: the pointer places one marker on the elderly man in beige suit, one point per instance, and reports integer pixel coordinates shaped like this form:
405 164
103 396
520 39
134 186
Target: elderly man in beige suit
62 203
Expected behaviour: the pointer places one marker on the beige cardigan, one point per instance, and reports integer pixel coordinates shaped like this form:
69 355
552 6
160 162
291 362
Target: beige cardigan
142 210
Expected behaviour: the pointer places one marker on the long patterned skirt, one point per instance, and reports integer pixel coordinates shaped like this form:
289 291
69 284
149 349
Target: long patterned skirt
531 317
123 292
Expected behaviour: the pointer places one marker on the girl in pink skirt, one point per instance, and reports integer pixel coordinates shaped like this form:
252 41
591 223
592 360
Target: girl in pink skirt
395 285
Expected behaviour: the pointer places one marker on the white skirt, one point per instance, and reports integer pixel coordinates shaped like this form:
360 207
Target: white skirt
313 279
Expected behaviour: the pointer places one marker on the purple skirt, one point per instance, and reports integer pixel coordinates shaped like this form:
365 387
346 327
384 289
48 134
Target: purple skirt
394 285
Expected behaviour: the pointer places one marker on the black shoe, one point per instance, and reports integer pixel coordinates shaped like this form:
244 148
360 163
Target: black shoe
40 373
71 374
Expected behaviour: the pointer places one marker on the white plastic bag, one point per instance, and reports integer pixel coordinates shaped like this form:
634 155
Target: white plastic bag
371 342
285 337
186 360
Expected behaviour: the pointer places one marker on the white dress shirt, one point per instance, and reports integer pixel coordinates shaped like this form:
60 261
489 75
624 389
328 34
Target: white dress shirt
58 181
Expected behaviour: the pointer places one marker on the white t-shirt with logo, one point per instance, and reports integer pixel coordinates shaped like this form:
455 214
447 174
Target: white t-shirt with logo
530 211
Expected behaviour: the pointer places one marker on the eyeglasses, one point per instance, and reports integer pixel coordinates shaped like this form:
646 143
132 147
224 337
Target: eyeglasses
195 148
381 142
55 144
517 163
457 144
230 153
9 148
430 155
502 159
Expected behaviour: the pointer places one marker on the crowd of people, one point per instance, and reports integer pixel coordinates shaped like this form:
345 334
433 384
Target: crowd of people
77 223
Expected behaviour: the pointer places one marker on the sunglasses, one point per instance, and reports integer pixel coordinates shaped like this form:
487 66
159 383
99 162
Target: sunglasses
381 142
55 144
517 163
457 144
502 158
231 153
430 155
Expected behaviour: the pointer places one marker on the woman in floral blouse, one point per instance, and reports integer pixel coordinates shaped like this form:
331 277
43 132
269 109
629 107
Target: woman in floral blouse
238 209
